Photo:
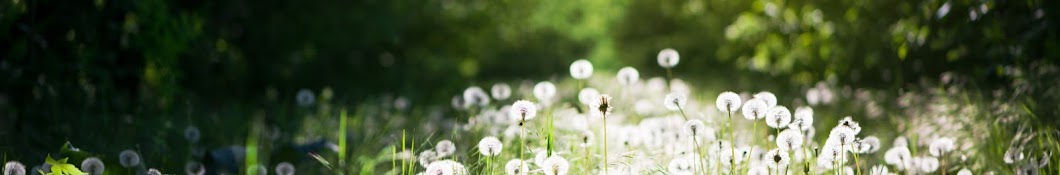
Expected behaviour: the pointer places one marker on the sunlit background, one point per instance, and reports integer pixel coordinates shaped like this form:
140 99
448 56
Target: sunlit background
112 75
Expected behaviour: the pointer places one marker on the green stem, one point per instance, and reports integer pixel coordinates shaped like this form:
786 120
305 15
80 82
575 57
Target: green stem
605 144
732 145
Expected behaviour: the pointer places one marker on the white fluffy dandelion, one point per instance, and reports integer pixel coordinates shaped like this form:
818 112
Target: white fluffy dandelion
866 145
755 109
940 146
1013 155
475 96
556 165
849 122
964 171
668 58
627 76
728 102
129 158
927 164
768 97
680 166
778 117
601 107
843 135
446 167
777 159
92 166
675 101
517 167
545 91
899 157
585 139
445 148
501 91
426 157
581 69
803 119
789 140
522 111
490 146
196 168
285 168
14 168
588 95
758 170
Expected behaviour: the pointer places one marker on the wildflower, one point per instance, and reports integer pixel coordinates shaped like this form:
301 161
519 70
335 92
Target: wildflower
192 134
602 106
758 170
305 97
850 123
728 102
844 135
14 168
777 159
755 109
581 69
695 128
588 95
778 117
680 166
426 157
940 146
474 95
879 170
445 148
964 171
927 164
458 103
668 58
446 167
803 118
544 91
285 168
627 76
490 146
585 139
129 158
675 101
768 97
556 165
869 144
540 157
523 110
196 168
790 140
830 154
517 167
501 91
899 157
92 166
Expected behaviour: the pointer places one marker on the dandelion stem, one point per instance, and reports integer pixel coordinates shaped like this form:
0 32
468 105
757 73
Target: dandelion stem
754 133
605 144
522 140
857 165
732 144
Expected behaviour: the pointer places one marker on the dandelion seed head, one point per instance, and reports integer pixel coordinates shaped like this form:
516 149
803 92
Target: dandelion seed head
964 171
490 146
842 135
668 58
627 76
153 171
14 168
129 158
426 157
588 95
680 166
879 170
305 97
585 139
517 167
474 95
1013 155
849 122
869 144
285 168
545 91
803 118
602 106
790 140
899 157
758 170
196 168
940 146
675 101
927 164
728 102
446 167
192 134
458 103
501 91
581 69
768 97
755 109
778 117
556 165
92 166
445 148
777 159
522 111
